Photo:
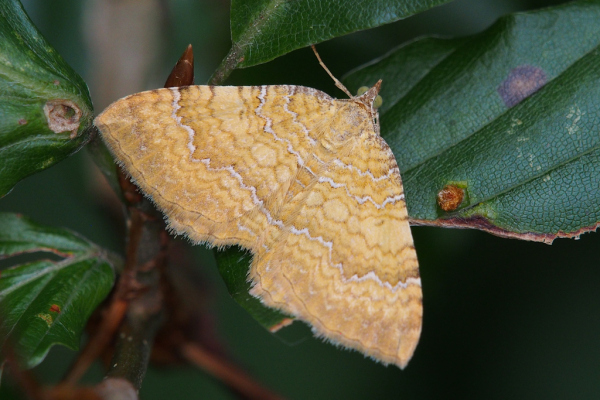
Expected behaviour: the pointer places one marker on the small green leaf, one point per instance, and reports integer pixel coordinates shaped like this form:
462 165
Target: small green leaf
20 235
510 114
233 266
45 107
265 29
46 302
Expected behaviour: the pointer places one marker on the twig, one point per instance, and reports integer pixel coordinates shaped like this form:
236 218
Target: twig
227 372
144 314
23 378
146 249
147 255
98 342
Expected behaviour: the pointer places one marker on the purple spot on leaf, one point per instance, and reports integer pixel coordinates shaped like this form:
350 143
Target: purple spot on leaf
521 83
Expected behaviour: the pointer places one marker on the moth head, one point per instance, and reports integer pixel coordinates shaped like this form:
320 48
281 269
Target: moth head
351 119
370 97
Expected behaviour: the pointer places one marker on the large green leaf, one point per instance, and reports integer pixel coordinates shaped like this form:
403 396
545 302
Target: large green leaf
510 115
46 302
262 30
530 168
45 106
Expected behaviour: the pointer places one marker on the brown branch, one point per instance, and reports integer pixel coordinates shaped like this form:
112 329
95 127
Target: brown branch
227 372
23 378
146 249
116 389
32 389
146 257
99 342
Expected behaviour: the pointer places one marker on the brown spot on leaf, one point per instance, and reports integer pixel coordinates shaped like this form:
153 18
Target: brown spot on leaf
283 323
56 82
521 83
450 197
62 116
22 121
55 308
47 318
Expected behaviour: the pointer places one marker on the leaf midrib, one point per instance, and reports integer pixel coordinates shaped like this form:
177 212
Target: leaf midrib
247 34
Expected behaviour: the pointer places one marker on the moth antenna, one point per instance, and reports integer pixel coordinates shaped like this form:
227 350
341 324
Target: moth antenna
337 83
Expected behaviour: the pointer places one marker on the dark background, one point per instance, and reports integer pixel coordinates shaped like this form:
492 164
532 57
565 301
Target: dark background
503 318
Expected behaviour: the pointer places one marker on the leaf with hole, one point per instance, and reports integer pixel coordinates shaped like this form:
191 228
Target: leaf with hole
45 107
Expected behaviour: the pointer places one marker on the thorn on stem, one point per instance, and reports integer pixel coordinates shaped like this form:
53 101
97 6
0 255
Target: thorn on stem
183 72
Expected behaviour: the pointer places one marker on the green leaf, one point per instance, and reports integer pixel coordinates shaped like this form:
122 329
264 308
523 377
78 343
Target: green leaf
262 30
530 169
46 302
45 107
510 115
233 265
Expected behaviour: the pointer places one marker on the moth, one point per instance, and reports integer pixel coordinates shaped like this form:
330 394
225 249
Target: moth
303 181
